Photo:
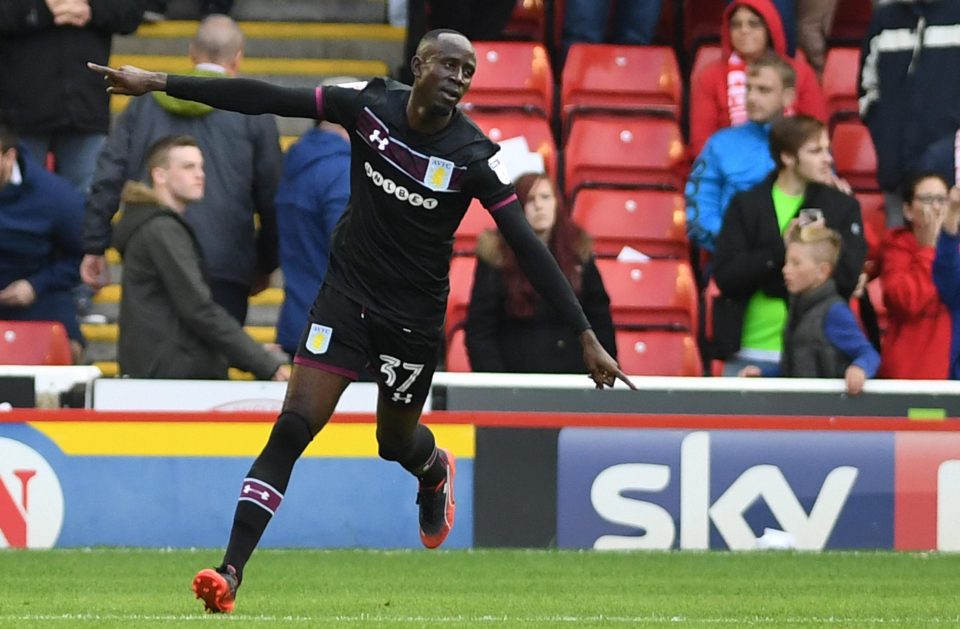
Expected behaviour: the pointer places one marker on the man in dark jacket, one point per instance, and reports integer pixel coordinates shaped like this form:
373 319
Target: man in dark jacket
243 167
45 87
909 96
750 249
169 325
40 216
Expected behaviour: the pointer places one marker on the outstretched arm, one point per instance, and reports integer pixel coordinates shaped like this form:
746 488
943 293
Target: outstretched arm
247 96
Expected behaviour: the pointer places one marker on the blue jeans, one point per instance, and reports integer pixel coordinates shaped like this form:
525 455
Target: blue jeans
76 154
586 21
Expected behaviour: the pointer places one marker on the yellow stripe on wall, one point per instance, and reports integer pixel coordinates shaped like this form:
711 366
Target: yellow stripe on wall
225 439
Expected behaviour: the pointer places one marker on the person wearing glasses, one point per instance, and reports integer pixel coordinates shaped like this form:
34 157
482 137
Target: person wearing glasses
946 273
916 344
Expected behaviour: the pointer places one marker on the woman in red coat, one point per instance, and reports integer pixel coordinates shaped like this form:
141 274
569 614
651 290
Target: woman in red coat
718 96
916 344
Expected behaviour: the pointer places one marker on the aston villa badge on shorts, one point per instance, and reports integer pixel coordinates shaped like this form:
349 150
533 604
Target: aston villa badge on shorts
318 341
438 174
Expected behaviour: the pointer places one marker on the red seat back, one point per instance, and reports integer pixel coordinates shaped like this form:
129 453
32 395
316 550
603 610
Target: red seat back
855 156
34 343
501 126
457 359
650 221
840 83
658 353
511 75
624 152
657 293
623 78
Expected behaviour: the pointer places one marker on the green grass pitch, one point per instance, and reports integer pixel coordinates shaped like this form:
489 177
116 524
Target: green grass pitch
485 588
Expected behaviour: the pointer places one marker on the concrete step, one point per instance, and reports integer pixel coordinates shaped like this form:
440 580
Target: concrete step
310 71
277 39
110 332
373 11
111 369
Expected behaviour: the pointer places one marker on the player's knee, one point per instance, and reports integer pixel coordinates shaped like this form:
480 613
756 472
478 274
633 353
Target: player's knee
290 433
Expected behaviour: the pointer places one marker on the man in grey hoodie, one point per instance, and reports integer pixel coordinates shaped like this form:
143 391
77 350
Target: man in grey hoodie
169 325
243 168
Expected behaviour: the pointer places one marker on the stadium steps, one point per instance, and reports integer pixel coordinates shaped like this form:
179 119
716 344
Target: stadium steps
293 54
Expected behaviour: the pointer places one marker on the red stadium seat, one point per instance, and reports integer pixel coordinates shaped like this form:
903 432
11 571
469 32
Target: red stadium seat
704 57
840 83
475 221
874 214
457 359
511 75
501 126
659 294
624 152
658 353
34 343
855 156
650 221
461 283
610 77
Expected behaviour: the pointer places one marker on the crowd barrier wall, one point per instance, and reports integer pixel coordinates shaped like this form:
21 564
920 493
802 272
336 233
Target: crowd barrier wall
681 463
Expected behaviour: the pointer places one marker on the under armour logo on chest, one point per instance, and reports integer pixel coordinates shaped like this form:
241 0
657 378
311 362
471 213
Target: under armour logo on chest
380 142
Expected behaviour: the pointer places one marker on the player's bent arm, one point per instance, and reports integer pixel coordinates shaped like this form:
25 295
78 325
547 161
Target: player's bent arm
247 96
539 266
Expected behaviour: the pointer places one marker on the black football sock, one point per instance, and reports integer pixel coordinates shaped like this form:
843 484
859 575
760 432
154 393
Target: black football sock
420 457
263 488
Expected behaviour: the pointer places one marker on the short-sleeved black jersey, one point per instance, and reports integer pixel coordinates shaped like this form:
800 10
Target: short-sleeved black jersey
409 191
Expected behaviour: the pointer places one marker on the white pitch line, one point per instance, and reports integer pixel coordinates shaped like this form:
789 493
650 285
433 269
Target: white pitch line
491 619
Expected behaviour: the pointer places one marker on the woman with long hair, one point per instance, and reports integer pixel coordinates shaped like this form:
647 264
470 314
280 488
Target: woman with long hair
509 327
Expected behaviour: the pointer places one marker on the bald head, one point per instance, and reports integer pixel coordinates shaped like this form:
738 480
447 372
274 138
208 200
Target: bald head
432 38
218 40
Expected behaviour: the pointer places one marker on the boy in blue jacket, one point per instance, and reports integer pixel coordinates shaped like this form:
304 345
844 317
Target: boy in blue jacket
821 338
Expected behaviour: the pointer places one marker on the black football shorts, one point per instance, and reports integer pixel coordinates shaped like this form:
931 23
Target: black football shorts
343 337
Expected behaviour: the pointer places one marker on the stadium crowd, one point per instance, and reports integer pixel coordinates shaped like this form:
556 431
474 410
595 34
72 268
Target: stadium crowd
874 163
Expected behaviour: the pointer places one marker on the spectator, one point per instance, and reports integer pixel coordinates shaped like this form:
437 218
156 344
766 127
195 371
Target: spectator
40 249
916 318
170 326
242 175
814 23
750 248
946 276
738 158
311 197
821 338
45 87
634 22
908 97
509 327
718 94
788 11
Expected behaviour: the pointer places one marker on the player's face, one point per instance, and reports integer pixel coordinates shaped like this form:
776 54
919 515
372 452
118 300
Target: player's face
541 208
445 71
185 173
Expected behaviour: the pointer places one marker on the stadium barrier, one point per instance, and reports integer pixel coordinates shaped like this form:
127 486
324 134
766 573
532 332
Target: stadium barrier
682 463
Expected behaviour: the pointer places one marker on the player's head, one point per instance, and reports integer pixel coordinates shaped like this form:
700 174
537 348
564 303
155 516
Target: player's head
442 70
175 164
